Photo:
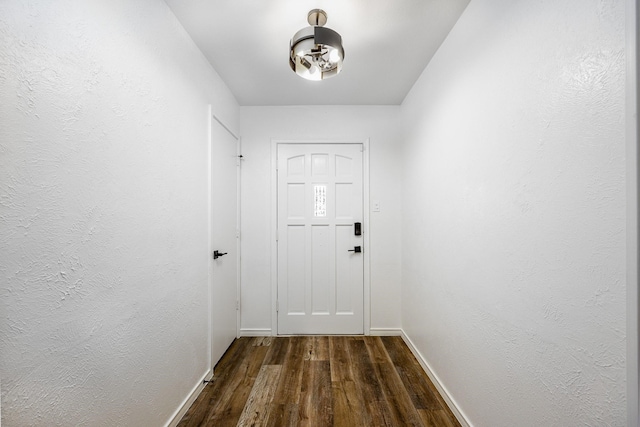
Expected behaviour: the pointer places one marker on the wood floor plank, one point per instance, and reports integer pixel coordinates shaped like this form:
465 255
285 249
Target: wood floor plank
348 405
236 351
207 401
236 392
317 348
365 377
416 382
437 418
278 351
340 359
422 390
396 396
376 349
319 381
262 341
364 372
285 404
316 403
348 408
283 415
288 391
256 410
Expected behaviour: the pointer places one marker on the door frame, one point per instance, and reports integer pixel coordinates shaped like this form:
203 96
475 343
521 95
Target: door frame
365 229
214 120
632 134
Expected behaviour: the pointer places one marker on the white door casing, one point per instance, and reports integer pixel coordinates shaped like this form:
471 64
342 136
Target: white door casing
320 275
224 238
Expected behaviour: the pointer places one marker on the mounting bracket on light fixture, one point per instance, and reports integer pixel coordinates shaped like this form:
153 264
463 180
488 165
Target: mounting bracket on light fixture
316 52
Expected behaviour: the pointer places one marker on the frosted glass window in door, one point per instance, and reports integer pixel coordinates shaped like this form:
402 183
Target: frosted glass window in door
319 200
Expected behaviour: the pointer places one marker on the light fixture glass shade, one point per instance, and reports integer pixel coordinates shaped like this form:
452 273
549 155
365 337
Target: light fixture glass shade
316 53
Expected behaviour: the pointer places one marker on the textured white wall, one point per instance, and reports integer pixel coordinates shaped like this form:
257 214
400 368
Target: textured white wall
261 124
103 211
514 213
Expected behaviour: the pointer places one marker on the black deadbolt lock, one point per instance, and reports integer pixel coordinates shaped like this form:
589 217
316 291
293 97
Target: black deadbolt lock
357 229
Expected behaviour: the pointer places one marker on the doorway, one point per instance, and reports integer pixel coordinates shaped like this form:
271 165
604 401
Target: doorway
224 246
320 238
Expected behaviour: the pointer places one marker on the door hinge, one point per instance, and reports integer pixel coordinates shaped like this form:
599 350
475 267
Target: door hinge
237 234
237 305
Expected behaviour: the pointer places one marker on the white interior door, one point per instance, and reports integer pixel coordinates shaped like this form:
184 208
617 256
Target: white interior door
320 271
224 223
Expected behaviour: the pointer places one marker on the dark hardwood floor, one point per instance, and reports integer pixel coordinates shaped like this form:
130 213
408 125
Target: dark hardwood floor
319 381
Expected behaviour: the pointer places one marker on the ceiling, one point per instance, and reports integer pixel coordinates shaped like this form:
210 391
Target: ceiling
387 45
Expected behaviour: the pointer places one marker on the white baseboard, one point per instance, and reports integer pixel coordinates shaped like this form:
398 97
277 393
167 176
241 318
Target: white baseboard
462 419
188 401
266 332
385 332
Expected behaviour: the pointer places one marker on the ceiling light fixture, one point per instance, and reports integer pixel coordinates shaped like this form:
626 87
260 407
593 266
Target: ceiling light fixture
316 52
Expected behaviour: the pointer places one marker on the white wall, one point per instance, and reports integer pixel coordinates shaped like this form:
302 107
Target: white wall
514 213
259 125
103 211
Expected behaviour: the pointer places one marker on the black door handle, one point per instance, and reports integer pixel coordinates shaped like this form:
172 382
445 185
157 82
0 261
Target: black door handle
356 249
217 254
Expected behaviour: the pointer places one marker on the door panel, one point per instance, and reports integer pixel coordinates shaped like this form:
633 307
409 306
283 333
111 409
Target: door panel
320 268
224 217
320 197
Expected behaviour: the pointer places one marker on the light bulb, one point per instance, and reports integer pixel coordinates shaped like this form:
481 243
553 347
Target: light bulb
334 55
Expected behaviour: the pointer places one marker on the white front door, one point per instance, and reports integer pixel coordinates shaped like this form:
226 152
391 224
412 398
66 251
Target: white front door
224 224
320 270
